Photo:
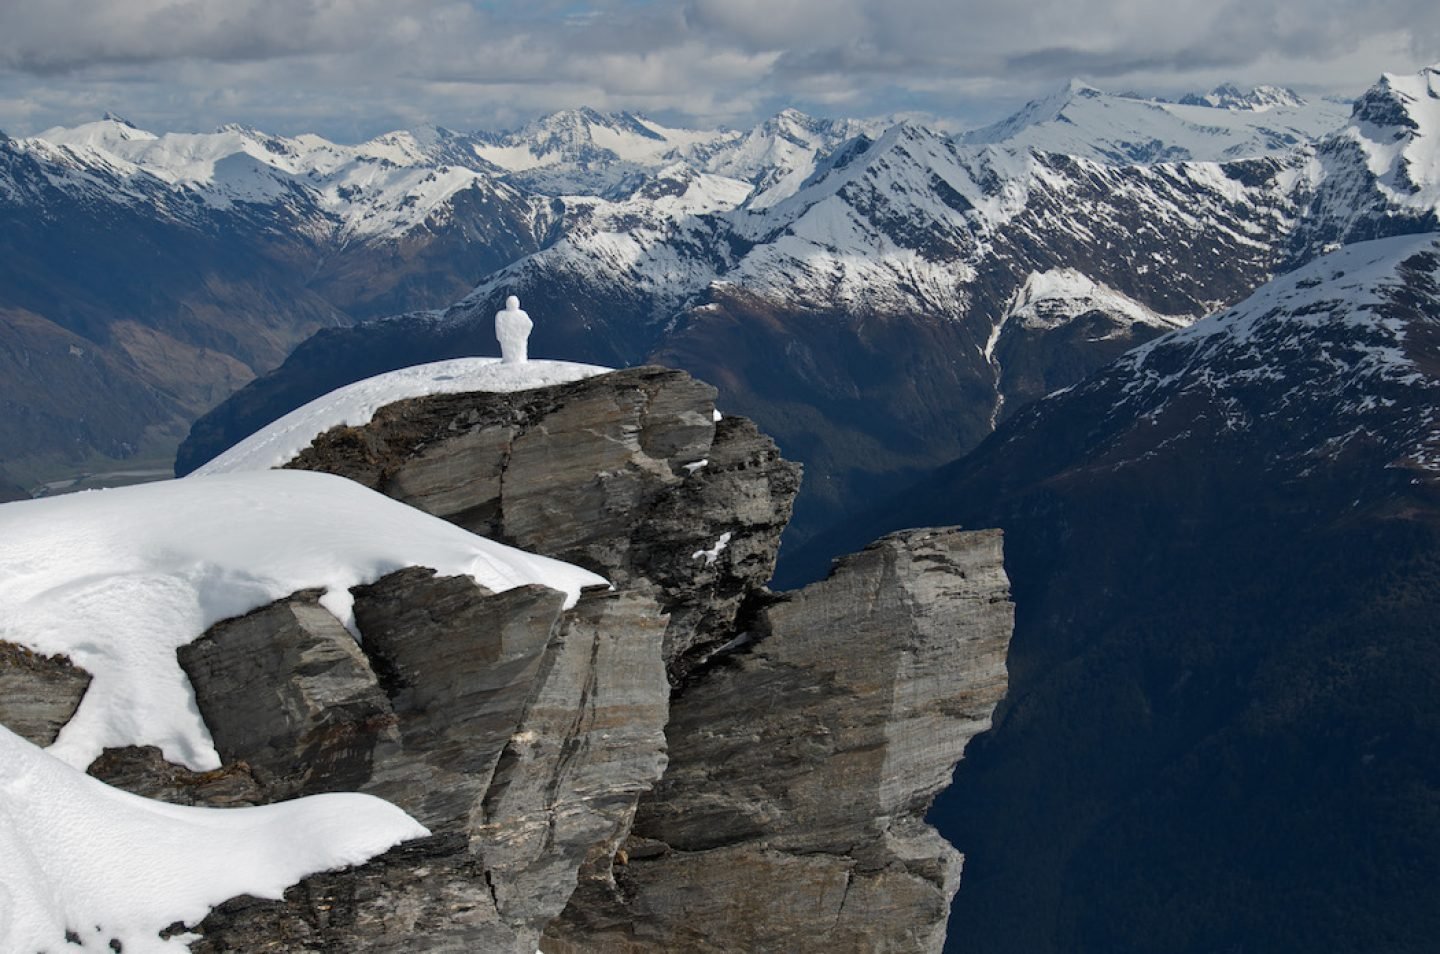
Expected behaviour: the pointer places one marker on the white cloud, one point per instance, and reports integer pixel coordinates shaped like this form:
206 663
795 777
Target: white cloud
358 66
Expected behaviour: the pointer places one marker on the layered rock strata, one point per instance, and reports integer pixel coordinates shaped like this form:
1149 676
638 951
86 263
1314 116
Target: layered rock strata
628 474
802 764
806 732
38 694
519 732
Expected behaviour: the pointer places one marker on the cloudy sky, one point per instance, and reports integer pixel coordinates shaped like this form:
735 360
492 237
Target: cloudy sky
352 68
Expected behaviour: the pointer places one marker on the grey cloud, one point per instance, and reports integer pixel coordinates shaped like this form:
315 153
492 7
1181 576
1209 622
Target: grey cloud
59 36
457 61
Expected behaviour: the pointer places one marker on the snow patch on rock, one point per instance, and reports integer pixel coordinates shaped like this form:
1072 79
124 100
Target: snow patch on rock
118 579
355 404
80 859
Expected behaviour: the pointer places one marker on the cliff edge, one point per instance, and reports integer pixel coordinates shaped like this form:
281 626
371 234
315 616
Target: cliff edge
683 762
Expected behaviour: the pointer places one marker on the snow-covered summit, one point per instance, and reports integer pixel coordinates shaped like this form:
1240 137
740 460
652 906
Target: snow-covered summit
1081 120
1397 125
382 188
1256 99
355 404
586 136
1329 350
1049 299
780 154
110 132
1380 174
1047 109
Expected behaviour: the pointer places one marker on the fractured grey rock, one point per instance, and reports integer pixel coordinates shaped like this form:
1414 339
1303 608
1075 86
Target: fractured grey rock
38 694
591 742
426 895
525 731
605 472
286 690
459 665
807 732
142 770
790 818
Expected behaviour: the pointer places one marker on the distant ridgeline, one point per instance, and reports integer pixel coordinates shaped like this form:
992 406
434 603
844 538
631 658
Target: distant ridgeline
879 300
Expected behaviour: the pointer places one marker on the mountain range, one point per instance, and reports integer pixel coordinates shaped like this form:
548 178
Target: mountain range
1182 354
208 257
1221 730
914 289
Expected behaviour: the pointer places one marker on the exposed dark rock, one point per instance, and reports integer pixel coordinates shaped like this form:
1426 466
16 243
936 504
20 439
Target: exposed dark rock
142 770
458 665
790 818
606 473
524 731
427 895
38 694
800 771
286 690
809 733
10 490
591 742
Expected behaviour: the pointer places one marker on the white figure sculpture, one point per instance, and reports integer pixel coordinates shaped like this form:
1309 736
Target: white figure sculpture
512 327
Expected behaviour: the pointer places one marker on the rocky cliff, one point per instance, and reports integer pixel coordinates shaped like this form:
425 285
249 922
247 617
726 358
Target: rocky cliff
686 761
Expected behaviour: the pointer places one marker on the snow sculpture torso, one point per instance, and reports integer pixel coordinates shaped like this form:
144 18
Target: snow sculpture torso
512 327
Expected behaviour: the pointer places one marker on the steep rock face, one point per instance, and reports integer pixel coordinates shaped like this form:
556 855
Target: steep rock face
801 767
809 732
286 690
38 694
627 474
520 733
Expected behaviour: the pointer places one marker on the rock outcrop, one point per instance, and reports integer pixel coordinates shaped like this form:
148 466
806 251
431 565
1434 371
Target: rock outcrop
519 732
802 764
628 474
38 694
806 733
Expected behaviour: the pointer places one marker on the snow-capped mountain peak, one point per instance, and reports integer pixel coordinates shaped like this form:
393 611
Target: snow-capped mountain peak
586 136
1080 120
386 186
1391 147
100 134
1255 99
780 155
1353 331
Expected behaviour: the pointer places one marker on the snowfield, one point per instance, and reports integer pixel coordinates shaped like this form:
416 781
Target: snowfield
118 579
355 404
79 856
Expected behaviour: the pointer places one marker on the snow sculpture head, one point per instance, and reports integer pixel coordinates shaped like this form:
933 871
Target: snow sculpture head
512 327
